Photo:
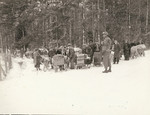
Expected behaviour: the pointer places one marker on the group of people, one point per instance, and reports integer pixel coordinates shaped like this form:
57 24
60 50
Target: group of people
103 49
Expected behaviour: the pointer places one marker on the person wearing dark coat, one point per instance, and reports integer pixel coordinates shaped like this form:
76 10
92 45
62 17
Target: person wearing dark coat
97 47
38 60
126 50
117 50
71 56
106 52
92 46
84 49
97 54
87 50
51 53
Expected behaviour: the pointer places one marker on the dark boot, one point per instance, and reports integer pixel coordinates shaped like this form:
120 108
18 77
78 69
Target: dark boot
114 60
105 71
117 60
109 69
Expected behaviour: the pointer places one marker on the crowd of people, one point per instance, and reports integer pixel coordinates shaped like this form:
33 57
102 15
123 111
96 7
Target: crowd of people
68 57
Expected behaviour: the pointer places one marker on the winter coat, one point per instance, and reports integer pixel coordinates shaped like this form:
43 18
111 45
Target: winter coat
87 50
38 61
84 50
126 50
106 44
71 54
106 52
117 50
97 47
51 53
92 46
72 57
107 59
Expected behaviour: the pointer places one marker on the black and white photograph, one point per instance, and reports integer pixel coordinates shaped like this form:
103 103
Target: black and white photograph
74 57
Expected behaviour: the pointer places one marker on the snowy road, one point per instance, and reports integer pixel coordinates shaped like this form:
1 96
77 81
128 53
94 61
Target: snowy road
125 91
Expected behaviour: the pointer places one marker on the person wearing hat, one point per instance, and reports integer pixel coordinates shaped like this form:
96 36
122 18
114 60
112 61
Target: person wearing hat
106 52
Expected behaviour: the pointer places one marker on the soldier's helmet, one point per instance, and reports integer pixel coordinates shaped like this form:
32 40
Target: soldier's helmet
105 33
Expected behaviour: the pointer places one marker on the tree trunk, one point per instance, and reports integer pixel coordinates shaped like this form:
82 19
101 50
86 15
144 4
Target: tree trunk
1 55
83 37
129 19
92 22
104 9
98 30
70 32
147 13
139 18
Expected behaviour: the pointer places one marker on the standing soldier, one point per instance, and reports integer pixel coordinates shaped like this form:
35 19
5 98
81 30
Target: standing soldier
117 50
106 52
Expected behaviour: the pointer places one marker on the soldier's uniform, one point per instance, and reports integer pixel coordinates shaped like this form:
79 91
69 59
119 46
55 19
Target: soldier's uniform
106 53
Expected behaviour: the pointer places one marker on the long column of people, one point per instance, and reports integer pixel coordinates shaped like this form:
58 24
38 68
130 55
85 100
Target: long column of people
91 54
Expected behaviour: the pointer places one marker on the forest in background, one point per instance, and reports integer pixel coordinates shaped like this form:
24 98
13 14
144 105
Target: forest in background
44 23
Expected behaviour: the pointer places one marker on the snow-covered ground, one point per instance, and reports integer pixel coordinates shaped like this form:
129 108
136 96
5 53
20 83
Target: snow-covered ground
124 91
